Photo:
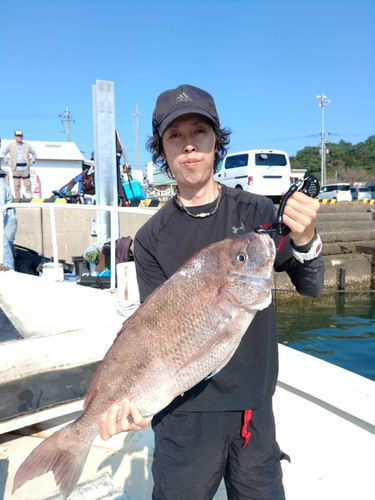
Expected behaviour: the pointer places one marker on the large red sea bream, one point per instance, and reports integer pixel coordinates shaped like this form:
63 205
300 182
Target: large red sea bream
187 330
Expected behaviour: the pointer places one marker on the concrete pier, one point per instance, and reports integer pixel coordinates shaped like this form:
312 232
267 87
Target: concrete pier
342 227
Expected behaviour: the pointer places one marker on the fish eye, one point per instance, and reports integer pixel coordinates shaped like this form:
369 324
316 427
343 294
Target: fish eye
241 258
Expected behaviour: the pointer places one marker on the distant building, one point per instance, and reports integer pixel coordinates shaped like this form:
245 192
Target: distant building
56 164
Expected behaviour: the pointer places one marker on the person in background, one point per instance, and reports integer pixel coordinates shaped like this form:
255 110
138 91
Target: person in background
126 168
224 426
10 221
20 161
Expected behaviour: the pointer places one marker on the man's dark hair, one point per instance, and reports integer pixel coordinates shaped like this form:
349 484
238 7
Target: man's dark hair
155 147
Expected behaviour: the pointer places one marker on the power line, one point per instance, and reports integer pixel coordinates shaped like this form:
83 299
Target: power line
67 117
27 117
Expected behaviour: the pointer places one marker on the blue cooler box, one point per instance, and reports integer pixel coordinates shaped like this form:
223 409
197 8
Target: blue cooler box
136 189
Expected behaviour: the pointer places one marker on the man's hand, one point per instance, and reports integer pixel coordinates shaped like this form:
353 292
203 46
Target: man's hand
299 215
130 420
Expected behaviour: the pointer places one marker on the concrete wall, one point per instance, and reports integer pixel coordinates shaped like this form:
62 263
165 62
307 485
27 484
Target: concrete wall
341 227
73 230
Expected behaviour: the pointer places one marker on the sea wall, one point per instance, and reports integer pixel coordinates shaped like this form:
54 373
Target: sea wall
75 230
342 227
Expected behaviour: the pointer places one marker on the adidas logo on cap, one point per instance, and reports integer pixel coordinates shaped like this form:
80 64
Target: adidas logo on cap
183 98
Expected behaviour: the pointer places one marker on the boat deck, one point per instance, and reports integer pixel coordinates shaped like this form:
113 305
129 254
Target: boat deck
325 415
331 448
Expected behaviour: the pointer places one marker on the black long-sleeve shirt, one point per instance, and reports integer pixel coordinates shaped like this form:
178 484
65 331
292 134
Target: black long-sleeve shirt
169 238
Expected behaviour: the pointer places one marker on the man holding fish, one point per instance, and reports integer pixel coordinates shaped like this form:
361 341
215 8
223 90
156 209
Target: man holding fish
224 425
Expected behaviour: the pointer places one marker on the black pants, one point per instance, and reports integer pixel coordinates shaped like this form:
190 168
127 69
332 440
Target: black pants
195 450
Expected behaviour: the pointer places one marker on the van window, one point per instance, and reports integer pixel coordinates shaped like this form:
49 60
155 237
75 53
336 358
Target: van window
219 166
342 187
236 161
270 160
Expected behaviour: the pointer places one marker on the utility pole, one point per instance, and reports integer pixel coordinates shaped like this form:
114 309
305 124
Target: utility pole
137 115
67 117
323 102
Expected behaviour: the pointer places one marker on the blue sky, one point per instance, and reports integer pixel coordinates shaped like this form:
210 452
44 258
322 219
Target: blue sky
263 61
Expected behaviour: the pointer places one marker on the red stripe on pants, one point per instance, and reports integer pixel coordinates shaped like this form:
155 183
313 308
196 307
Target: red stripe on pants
244 431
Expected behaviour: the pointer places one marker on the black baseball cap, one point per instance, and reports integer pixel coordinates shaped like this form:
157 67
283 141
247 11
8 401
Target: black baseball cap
180 101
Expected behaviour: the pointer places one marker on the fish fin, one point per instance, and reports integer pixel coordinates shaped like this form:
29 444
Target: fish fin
227 333
224 362
66 463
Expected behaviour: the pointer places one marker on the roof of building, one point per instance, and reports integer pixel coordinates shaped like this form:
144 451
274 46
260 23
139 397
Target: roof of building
51 150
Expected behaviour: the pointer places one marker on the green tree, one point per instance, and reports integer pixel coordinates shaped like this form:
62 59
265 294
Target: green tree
346 162
308 158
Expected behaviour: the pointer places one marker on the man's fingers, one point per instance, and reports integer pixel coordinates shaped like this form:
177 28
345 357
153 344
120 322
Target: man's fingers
139 420
124 422
112 425
103 428
303 203
130 420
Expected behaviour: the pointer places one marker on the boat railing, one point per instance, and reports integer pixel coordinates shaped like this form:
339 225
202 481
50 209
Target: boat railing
52 207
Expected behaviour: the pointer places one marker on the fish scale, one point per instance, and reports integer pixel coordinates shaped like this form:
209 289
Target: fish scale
188 329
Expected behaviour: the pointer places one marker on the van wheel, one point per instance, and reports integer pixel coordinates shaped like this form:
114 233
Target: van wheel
239 187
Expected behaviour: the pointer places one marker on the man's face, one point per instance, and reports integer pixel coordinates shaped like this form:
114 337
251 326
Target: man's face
18 138
189 149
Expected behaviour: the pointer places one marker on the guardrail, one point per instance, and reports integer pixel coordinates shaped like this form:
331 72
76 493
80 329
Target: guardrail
370 201
58 206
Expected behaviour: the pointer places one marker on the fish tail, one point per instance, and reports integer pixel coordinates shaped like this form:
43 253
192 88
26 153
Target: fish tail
60 453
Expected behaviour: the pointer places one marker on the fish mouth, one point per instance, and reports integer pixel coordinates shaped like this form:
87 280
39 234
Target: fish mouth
260 285
259 288
267 243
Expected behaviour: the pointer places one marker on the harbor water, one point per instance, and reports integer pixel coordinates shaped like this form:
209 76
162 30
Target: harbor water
336 327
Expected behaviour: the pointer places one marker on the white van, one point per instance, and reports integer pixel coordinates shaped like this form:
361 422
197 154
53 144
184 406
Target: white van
261 171
338 192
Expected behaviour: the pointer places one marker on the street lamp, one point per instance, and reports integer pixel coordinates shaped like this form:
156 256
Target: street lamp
323 102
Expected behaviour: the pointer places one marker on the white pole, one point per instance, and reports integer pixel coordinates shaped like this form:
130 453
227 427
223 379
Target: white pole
323 102
323 177
105 153
1 236
137 136
137 115
114 231
53 235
